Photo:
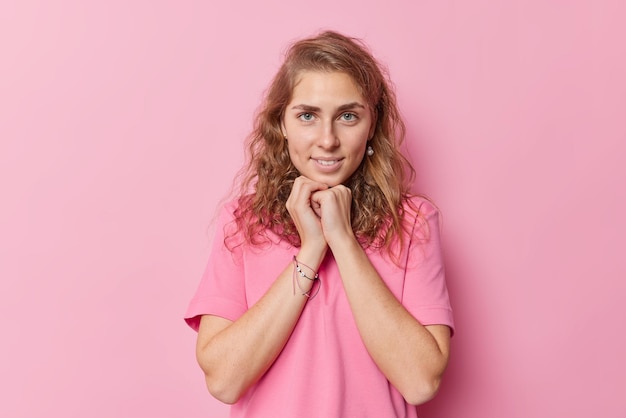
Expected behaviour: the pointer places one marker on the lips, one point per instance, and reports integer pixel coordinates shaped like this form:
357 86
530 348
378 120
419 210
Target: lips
327 163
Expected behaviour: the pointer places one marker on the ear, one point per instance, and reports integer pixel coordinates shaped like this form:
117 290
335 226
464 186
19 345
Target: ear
373 126
282 129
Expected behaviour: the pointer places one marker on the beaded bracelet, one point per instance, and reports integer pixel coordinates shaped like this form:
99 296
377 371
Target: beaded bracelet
297 271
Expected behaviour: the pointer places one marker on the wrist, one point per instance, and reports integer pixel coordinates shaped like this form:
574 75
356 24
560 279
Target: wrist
312 255
307 274
343 243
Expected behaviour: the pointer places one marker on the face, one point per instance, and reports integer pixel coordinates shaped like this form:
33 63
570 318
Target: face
327 125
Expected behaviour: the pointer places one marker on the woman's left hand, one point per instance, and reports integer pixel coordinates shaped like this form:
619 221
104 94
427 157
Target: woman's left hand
333 206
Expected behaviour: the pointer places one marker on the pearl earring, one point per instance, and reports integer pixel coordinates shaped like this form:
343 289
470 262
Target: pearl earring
370 151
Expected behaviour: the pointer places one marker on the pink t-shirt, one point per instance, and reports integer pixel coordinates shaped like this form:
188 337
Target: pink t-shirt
324 370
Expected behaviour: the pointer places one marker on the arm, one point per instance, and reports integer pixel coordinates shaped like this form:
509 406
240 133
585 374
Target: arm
413 357
234 355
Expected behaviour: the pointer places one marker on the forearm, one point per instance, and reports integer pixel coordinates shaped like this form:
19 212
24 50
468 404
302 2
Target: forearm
234 355
406 352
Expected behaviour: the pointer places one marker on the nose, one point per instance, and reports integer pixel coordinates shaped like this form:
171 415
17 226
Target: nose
328 138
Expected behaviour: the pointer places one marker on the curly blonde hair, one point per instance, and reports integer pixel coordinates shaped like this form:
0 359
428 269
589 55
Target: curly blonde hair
380 185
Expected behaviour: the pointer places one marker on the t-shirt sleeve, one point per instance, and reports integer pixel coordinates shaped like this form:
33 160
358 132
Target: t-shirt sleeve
221 291
425 293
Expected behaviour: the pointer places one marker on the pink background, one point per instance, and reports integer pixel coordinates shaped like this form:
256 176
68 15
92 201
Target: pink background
121 127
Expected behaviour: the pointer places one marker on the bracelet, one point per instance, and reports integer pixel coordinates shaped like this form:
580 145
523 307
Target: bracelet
298 271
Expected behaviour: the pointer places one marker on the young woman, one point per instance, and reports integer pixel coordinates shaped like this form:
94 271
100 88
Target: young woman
324 294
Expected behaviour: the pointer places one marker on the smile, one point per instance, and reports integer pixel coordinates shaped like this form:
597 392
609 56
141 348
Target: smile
327 163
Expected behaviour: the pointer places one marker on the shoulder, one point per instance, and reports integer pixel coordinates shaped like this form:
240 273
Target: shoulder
233 209
230 207
225 223
242 226
225 212
422 214
418 206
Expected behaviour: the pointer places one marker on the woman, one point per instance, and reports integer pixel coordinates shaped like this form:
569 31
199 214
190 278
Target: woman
324 295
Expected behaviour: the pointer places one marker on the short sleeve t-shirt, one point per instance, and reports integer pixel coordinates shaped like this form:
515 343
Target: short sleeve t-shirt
324 370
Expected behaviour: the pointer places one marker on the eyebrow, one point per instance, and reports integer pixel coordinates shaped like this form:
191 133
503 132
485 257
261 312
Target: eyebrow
343 107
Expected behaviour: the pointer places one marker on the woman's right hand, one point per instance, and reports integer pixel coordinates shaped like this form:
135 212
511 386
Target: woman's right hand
305 216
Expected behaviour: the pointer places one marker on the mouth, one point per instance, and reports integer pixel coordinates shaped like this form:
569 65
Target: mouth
326 163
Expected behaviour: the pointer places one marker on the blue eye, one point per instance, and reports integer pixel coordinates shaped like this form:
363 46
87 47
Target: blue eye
307 117
349 117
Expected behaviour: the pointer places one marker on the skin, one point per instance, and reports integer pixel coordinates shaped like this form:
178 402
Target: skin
327 120
327 125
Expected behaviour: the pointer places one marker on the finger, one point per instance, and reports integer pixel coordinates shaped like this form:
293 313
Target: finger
301 209
336 196
335 207
317 208
300 196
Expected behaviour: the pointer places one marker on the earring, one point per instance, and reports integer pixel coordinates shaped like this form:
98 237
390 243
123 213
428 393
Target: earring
370 151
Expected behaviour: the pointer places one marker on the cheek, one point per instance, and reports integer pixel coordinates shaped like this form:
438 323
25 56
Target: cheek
356 137
295 150
300 139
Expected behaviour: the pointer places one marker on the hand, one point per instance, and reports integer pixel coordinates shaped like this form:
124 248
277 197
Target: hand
306 213
333 206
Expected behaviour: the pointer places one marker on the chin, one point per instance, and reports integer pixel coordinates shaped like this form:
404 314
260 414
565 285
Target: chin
332 182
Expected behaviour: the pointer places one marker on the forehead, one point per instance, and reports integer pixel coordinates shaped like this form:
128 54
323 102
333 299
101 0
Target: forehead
325 86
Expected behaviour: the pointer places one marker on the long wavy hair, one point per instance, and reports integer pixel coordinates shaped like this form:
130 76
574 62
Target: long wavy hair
380 185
